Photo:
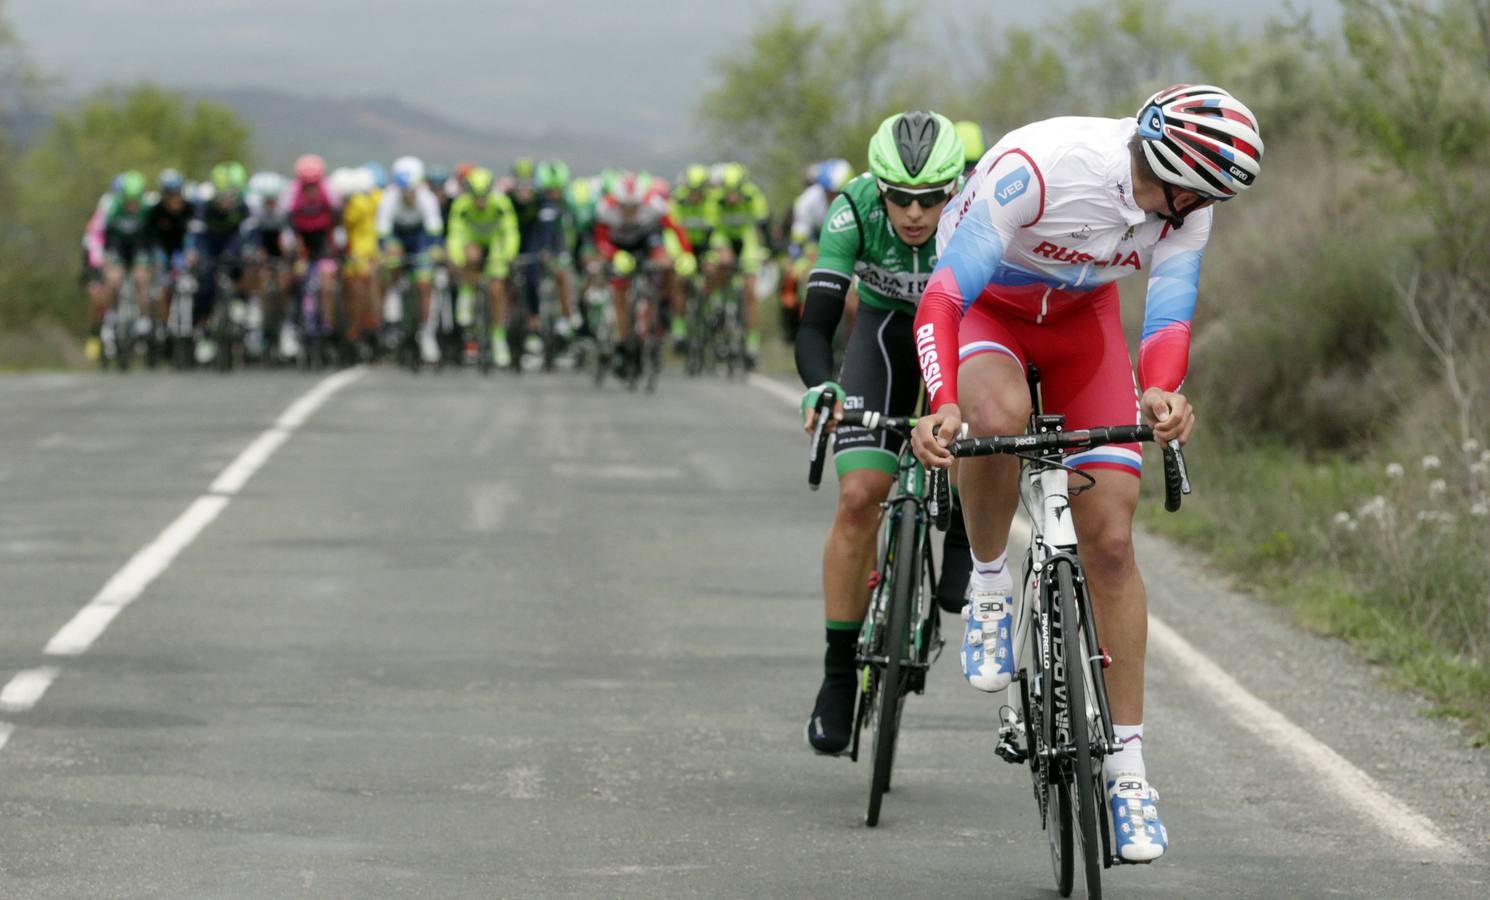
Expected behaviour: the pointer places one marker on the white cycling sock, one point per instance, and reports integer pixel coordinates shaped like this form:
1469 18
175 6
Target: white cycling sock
991 575
1130 758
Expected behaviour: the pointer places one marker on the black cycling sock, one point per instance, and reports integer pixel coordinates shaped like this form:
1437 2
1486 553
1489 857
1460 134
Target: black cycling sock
838 660
957 564
830 727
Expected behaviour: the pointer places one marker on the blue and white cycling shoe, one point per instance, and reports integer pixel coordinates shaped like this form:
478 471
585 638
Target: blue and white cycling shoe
1141 836
988 640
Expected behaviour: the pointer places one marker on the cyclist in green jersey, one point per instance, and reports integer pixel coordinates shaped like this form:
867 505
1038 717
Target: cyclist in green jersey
582 197
693 213
482 239
881 230
736 209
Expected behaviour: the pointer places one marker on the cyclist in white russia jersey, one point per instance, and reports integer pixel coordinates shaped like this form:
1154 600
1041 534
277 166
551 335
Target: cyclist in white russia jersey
1029 255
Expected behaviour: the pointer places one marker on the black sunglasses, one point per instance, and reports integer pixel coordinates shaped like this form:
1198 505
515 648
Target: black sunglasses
928 198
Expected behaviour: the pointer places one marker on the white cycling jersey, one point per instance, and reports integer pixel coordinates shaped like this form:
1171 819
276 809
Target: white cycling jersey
809 212
1049 215
394 213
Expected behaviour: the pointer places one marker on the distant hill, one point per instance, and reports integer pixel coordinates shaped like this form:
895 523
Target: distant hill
352 130
356 129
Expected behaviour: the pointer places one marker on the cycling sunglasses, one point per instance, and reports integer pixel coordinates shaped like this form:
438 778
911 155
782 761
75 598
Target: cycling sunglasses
928 197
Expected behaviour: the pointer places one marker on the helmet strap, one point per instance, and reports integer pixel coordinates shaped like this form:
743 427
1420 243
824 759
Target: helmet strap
1175 217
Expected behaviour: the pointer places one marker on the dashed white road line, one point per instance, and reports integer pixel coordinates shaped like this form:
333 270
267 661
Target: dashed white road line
129 582
84 629
1353 787
22 691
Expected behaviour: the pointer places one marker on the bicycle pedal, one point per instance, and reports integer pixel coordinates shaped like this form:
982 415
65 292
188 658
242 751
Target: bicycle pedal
1010 753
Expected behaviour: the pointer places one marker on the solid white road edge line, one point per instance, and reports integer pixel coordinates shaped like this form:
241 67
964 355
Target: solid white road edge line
79 634
1353 787
776 388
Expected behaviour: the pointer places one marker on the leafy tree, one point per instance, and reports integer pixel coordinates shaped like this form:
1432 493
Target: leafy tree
802 91
19 82
144 127
1416 89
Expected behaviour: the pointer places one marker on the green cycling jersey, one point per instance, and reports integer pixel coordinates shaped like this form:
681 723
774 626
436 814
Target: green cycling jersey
494 226
858 240
736 213
692 211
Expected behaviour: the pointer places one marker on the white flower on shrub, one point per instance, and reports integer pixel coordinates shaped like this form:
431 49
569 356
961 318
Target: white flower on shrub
1431 463
1375 508
1480 509
1479 469
1437 487
1343 519
1485 457
1471 447
1395 471
1436 518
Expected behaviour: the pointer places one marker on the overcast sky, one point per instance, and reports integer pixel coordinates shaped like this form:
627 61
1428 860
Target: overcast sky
589 65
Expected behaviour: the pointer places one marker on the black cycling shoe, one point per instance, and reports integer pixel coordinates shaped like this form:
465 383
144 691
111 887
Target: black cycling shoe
831 726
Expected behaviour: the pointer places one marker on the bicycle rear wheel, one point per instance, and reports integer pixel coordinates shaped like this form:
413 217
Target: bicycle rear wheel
905 571
1080 790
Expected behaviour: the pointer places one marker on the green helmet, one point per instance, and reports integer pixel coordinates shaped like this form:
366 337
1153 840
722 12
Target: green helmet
732 176
973 146
229 176
696 177
581 192
479 181
523 169
131 186
608 180
552 175
915 148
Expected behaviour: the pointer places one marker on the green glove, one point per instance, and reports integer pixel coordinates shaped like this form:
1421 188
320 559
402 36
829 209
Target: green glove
814 394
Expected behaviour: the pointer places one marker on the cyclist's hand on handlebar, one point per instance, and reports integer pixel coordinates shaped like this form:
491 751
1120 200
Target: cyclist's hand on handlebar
934 434
1171 415
810 401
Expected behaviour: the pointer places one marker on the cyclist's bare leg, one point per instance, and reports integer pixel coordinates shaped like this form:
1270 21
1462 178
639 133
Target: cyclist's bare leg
352 286
995 399
565 279
673 290
752 306
1104 526
497 294
329 274
99 295
623 322
848 554
426 289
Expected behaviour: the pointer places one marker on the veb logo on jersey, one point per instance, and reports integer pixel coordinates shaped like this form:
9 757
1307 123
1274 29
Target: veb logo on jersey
842 221
1011 186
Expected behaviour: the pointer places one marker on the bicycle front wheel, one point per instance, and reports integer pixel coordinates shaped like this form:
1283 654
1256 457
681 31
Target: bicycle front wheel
905 570
1080 790
1052 790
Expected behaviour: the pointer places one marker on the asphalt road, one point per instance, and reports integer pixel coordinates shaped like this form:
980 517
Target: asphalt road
466 638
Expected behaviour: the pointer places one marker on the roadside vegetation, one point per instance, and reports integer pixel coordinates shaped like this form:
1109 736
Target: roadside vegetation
48 192
1341 353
